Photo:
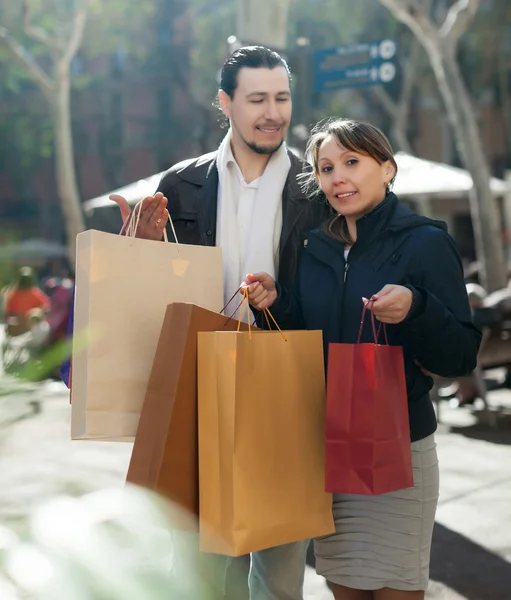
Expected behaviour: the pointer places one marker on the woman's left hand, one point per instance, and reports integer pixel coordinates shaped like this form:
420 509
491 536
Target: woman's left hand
391 304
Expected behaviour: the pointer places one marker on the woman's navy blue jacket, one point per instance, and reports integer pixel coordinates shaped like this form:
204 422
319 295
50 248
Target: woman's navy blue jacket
394 246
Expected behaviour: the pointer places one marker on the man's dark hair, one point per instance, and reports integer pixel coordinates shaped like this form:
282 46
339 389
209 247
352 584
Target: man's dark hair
253 57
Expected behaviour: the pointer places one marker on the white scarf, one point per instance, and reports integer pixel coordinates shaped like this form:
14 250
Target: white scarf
262 245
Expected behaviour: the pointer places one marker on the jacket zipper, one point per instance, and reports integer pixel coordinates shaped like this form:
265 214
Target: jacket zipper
343 300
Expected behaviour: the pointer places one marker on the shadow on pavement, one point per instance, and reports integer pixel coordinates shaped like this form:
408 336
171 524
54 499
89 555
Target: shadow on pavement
501 434
469 569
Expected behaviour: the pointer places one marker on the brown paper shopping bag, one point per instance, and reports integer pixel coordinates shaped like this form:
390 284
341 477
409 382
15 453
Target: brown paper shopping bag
123 287
165 453
261 440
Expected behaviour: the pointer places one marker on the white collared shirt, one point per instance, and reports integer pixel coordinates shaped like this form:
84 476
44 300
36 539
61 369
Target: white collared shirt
244 196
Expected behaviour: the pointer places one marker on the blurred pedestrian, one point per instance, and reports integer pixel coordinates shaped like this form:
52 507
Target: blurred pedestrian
21 298
39 329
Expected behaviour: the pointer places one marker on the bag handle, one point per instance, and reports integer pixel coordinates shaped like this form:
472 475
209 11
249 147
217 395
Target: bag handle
380 327
130 224
240 307
267 314
376 332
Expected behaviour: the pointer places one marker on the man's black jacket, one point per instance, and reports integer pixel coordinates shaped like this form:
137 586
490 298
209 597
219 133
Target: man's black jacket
191 188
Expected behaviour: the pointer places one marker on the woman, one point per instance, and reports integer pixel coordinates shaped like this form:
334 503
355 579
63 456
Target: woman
406 269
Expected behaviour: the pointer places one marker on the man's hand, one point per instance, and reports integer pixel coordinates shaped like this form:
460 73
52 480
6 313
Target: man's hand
261 290
153 216
391 304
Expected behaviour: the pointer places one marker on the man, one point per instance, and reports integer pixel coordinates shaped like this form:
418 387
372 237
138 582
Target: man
246 198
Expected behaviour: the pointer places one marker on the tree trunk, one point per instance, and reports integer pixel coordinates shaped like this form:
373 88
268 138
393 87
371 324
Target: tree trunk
399 112
503 66
484 209
440 44
64 159
263 22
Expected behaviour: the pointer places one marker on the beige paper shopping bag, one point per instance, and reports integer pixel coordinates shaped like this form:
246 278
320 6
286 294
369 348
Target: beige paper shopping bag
261 440
123 287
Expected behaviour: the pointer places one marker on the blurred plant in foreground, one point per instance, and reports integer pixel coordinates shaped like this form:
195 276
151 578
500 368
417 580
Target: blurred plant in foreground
113 544
125 543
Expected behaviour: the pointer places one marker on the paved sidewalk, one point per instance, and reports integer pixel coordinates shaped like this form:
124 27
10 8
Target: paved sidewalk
472 543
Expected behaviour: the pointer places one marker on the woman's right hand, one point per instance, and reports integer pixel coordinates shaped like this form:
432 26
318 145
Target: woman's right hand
262 292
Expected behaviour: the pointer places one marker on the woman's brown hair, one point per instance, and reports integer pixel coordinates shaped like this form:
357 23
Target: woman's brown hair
357 136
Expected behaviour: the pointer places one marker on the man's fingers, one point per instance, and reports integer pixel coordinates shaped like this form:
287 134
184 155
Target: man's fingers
163 220
151 207
123 205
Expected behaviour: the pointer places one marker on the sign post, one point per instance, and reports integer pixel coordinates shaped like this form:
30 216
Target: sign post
355 65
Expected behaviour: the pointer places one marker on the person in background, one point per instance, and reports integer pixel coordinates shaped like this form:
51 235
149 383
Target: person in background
21 298
39 331
60 308
405 268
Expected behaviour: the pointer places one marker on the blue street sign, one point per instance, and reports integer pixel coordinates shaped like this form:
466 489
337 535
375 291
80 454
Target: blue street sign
354 65
368 74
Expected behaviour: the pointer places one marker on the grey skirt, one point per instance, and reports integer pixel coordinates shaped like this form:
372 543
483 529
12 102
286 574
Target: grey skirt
384 541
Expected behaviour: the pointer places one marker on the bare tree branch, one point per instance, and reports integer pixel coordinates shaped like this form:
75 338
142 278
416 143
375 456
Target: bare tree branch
458 19
386 100
409 72
27 60
37 33
76 33
414 14
399 110
408 11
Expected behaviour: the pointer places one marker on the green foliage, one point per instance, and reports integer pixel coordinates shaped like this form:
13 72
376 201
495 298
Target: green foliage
486 43
27 134
214 21
120 24
118 544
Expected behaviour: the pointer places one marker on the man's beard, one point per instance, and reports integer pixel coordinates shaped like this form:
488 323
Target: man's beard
263 149
255 147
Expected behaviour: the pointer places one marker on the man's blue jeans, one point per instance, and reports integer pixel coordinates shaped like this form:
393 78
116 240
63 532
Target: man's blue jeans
278 573
275 574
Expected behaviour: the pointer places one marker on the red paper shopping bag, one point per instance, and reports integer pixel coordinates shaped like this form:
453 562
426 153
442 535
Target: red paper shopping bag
368 448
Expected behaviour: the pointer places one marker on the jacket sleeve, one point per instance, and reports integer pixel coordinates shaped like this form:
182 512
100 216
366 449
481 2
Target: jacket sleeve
443 337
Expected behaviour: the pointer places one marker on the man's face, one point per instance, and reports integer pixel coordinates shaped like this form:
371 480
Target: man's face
260 110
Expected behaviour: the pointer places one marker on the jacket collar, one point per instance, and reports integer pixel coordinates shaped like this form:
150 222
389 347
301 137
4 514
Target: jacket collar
203 172
199 171
369 227
375 222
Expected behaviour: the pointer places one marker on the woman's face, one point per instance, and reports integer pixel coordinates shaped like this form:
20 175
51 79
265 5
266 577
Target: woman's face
354 183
